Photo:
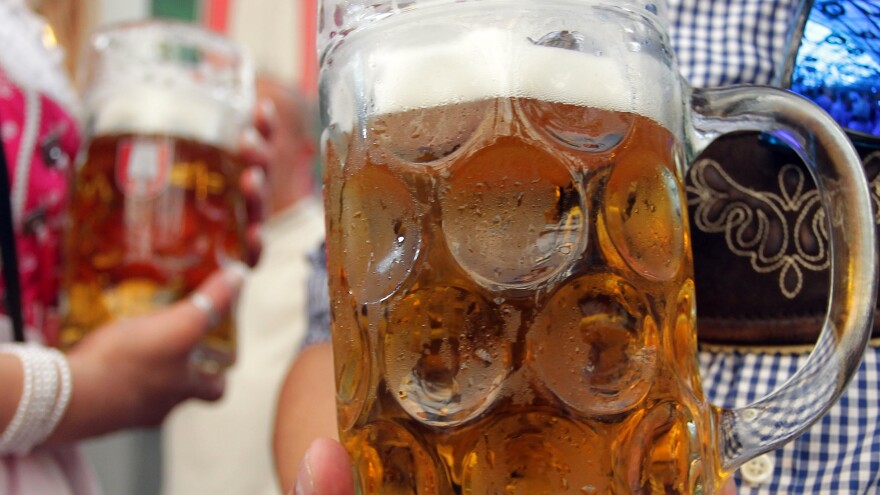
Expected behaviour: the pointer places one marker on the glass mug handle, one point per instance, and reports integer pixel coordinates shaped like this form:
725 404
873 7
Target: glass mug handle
744 433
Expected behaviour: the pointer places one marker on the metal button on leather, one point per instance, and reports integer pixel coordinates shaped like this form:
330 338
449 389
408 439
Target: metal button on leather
758 470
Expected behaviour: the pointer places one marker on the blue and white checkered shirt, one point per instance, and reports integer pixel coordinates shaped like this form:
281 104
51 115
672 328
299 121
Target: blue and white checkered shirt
723 42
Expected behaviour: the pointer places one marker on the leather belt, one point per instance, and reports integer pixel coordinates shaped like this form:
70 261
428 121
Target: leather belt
766 333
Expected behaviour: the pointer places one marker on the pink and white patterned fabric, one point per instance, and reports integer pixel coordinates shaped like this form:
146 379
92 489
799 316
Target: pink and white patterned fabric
40 139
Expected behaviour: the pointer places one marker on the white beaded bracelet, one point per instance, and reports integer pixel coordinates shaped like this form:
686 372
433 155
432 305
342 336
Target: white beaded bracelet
46 393
44 380
62 399
9 439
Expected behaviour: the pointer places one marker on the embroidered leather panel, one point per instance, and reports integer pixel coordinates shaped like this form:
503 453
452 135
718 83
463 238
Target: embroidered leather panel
761 250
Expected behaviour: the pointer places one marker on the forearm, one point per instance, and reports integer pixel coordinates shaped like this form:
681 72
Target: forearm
306 410
11 375
44 404
99 403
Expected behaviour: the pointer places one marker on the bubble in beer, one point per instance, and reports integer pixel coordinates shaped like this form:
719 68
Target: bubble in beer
534 454
513 215
644 217
445 355
658 454
380 233
567 40
594 345
391 461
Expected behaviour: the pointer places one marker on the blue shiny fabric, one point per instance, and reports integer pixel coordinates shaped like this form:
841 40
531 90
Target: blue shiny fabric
834 60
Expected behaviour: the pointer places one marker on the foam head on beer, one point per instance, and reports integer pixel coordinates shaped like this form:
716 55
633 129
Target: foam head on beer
168 78
444 64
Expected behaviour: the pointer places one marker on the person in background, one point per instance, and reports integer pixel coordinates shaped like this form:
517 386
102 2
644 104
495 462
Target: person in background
72 21
126 374
717 44
225 447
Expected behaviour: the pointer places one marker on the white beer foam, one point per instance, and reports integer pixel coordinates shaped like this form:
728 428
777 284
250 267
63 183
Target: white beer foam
145 110
492 63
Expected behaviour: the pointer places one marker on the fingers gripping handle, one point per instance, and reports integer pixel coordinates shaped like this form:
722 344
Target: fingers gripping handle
777 418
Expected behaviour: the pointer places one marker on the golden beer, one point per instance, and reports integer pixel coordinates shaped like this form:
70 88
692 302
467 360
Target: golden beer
509 259
509 310
154 215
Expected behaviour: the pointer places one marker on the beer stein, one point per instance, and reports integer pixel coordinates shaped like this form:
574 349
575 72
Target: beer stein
508 250
156 204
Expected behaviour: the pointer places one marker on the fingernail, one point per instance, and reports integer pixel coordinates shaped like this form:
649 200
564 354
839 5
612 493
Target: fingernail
267 107
258 176
236 271
251 138
305 484
217 385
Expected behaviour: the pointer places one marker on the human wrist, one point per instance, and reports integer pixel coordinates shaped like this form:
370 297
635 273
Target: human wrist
12 371
100 385
46 388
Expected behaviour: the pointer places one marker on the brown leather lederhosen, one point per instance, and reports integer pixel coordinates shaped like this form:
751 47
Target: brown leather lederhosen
760 249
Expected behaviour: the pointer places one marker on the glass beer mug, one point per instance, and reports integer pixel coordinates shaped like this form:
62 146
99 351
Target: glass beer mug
156 204
510 269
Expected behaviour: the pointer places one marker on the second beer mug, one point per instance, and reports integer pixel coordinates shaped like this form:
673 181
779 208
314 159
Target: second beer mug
156 204
509 256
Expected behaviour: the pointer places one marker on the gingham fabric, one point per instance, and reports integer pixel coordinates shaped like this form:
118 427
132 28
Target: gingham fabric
723 42
840 454
318 300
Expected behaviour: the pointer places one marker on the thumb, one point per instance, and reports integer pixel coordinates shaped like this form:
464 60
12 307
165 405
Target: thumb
324 470
729 488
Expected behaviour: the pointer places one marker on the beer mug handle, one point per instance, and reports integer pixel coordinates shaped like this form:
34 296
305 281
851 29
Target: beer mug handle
768 423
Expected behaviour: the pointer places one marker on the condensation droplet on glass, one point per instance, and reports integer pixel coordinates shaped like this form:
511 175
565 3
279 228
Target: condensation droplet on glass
484 355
